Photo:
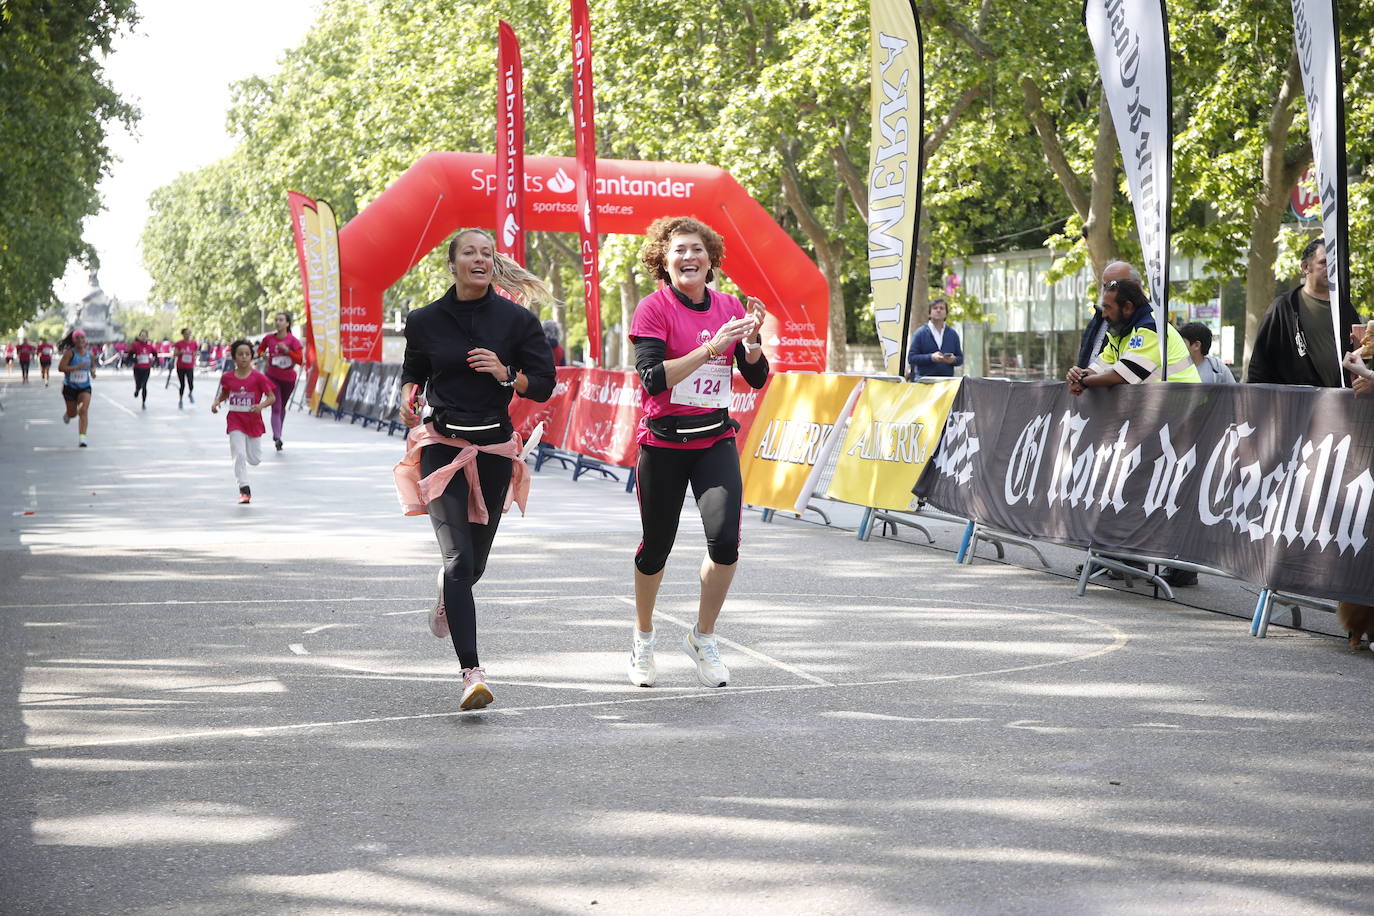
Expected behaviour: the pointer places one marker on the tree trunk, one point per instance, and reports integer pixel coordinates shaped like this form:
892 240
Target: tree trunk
1279 171
1093 204
1097 226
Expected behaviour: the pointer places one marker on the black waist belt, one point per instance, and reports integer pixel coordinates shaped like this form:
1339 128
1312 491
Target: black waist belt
692 426
488 429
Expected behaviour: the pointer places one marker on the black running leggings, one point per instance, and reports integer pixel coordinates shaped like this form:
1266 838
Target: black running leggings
662 478
464 545
141 382
186 381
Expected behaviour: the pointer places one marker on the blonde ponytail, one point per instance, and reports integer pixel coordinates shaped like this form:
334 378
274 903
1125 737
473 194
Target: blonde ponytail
522 286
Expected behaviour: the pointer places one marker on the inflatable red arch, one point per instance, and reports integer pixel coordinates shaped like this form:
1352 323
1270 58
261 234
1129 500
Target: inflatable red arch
444 191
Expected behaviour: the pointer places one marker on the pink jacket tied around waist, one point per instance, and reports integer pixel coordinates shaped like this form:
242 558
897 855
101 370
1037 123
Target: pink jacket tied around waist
415 492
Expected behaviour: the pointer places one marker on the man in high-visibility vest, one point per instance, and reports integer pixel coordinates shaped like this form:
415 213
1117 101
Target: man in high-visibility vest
1132 354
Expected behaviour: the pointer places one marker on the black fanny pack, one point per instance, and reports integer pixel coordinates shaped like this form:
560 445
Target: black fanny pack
693 426
479 429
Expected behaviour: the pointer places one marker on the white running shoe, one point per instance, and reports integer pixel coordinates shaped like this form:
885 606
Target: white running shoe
476 693
438 617
641 669
703 650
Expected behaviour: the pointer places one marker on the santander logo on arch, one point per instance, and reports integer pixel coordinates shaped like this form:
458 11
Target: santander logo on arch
560 183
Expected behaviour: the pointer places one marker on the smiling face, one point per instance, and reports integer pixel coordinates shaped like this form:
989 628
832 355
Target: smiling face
688 262
471 264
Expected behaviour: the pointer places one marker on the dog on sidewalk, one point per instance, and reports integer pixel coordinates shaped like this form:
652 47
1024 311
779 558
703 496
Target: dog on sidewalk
1357 620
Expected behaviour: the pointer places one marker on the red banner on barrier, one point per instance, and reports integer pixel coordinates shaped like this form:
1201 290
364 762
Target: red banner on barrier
605 417
553 413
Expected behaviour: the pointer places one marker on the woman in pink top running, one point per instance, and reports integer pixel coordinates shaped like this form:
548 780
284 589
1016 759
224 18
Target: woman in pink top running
283 353
688 341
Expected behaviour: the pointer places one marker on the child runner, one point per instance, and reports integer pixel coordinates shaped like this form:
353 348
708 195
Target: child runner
284 353
144 354
25 354
186 349
45 351
248 391
78 368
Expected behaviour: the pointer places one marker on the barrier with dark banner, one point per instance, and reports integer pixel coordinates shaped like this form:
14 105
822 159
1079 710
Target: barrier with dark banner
1269 483
355 394
389 385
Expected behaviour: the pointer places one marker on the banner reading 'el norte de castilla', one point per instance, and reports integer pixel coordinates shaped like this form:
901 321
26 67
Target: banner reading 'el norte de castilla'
894 171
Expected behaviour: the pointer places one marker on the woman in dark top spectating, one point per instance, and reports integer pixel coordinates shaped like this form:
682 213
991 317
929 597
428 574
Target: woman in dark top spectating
469 352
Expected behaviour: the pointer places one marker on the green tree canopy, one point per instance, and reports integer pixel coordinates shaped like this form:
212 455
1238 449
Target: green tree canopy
55 106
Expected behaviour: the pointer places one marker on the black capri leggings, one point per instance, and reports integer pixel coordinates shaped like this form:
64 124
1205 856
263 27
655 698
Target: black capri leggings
662 476
186 381
464 545
141 382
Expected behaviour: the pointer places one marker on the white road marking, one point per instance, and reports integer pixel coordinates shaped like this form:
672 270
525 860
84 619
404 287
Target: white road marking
116 404
752 653
298 648
321 628
1118 642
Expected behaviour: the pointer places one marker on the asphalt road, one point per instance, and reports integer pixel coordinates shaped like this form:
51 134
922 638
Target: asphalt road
209 708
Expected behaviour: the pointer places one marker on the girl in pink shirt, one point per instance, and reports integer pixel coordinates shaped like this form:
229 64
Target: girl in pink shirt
248 392
143 355
283 353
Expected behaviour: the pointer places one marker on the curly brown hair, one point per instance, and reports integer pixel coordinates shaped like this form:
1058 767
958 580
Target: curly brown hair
654 254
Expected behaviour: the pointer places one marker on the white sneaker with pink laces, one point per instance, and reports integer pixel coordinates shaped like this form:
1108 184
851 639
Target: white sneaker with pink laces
476 693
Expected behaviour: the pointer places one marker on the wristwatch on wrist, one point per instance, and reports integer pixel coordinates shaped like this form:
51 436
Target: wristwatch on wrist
751 347
510 378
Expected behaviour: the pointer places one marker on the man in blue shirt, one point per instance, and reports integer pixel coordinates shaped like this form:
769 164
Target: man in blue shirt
934 349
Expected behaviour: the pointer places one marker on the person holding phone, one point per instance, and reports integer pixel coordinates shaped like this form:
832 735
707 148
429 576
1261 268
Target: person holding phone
469 352
688 340
934 349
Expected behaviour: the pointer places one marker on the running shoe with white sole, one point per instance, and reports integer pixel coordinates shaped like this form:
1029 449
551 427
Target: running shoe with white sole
711 671
438 617
476 693
641 669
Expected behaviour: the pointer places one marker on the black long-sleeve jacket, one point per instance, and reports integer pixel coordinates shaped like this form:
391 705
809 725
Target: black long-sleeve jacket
1275 357
439 336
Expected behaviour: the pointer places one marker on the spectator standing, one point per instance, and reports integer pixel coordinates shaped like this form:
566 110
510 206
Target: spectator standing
1295 343
934 349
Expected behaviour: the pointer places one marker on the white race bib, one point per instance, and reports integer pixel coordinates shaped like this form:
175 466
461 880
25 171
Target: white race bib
79 376
707 387
142 359
242 401
281 362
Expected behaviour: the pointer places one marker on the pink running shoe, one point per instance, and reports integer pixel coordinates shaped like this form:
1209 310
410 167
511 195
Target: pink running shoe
476 693
438 618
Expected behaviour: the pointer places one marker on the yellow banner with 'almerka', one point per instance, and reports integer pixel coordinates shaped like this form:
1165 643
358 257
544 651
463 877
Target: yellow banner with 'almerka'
894 171
892 434
793 424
